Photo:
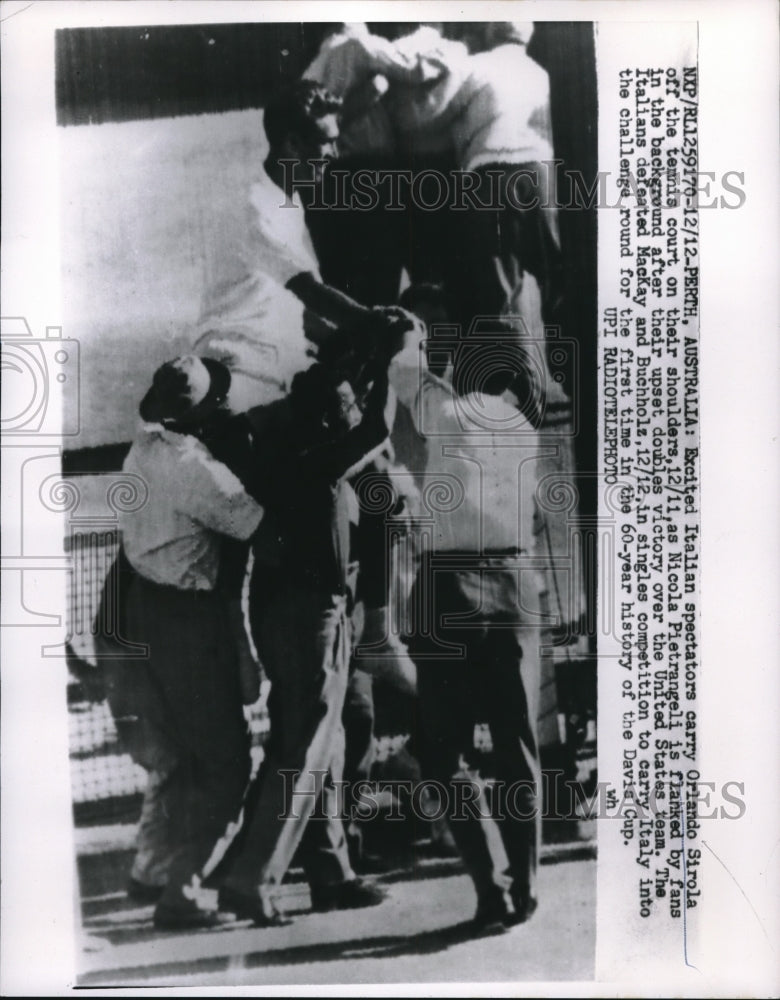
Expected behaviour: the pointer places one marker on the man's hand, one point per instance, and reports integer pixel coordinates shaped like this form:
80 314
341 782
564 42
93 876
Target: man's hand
393 325
362 98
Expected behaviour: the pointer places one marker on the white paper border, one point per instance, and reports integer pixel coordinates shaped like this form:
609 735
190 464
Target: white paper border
740 593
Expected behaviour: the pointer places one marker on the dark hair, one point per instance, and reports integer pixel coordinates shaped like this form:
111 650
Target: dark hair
393 30
475 371
295 111
491 365
424 291
313 392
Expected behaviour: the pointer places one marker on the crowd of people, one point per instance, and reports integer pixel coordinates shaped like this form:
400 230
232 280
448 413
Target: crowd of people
348 351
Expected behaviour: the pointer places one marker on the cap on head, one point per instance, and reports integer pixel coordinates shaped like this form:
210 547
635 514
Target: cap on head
185 390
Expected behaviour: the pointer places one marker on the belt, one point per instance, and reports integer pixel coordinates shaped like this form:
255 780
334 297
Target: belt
472 554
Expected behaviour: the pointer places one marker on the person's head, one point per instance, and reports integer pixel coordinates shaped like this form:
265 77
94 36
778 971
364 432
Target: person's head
393 30
187 394
482 36
508 33
478 368
493 363
324 401
426 301
333 28
301 122
470 33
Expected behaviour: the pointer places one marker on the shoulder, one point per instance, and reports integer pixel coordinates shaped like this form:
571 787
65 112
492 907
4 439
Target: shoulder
267 198
188 464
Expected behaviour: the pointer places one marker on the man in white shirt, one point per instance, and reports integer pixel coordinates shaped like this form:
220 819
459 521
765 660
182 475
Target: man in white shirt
193 631
265 304
475 616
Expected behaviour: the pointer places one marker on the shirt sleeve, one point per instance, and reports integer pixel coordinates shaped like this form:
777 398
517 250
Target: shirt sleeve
332 461
439 99
392 61
210 494
407 369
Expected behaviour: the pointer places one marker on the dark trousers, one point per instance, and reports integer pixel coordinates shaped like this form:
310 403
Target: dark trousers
493 248
194 697
358 720
360 250
505 262
428 219
480 663
302 638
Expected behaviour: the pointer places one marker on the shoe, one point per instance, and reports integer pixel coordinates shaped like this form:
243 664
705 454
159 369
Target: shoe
524 909
361 861
372 864
351 895
142 892
492 914
354 836
257 908
182 918
442 842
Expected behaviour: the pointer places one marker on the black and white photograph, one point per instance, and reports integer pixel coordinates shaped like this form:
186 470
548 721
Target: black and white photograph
263 224
363 449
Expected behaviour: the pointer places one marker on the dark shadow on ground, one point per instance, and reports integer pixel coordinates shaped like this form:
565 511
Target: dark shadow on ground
381 946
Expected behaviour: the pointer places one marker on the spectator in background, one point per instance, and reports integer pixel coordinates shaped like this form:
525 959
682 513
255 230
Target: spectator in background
501 125
379 652
503 255
193 631
475 617
362 251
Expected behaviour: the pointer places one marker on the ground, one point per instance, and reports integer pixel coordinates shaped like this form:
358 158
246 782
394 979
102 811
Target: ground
418 934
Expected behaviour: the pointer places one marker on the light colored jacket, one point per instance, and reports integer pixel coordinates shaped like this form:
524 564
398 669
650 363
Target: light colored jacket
494 107
349 59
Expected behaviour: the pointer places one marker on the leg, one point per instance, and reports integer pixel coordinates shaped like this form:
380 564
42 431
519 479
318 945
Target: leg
196 674
155 841
324 845
359 252
304 644
446 709
138 709
512 671
358 756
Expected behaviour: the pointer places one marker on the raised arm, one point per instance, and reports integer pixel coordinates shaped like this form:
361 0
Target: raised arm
329 304
407 62
332 461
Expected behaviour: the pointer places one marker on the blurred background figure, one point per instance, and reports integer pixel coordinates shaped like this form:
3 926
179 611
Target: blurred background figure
476 623
362 249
